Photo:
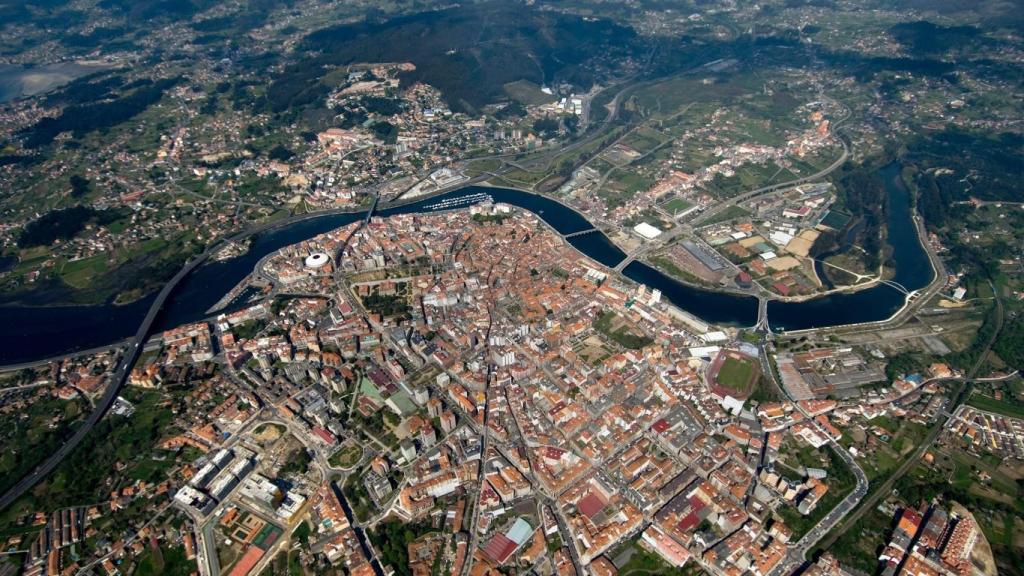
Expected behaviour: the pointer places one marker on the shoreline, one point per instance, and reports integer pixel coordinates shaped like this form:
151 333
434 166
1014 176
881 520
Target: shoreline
399 203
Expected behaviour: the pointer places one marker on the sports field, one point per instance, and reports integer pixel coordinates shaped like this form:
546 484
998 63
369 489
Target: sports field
734 373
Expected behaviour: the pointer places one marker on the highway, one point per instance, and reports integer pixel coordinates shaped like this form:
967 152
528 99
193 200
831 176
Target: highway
76 354
766 189
117 380
665 238
134 349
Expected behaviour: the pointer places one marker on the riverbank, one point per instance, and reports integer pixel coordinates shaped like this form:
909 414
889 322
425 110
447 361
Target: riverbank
46 332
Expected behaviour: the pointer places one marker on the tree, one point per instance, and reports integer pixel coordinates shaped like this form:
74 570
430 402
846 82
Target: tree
80 186
280 153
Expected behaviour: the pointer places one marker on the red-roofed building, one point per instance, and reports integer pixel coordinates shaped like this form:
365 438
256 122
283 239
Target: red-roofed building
499 548
325 435
591 504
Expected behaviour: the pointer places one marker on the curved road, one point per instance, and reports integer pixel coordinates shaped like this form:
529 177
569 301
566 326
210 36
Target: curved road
915 457
773 187
76 354
797 552
124 368
118 378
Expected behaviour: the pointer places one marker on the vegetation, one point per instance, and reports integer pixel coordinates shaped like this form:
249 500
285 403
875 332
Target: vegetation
926 38
518 43
387 305
490 218
1010 344
992 160
391 540
764 391
841 482
302 532
859 546
64 224
996 509
80 477
730 213
386 131
863 195
643 562
36 431
605 323
905 364
1004 407
80 119
165 561
80 186
346 457
297 463
381 105
358 499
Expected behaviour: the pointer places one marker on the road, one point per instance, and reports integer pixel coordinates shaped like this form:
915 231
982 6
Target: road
766 189
915 457
119 376
76 354
117 381
665 238
914 301
797 553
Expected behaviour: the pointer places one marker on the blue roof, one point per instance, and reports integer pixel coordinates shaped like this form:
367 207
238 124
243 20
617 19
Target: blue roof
519 532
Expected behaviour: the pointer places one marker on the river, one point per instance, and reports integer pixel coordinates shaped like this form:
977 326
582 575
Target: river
33 333
913 271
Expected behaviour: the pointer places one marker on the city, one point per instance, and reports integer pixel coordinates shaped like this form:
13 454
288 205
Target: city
527 288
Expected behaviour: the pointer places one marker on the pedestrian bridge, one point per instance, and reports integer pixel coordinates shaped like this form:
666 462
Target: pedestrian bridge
581 233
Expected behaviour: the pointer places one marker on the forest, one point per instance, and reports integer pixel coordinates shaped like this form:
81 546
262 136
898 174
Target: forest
469 62
84 118
64 224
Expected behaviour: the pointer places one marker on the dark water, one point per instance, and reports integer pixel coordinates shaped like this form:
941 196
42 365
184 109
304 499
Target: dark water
33 333
913 271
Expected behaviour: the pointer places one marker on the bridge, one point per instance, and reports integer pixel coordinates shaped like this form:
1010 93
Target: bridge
896 285
344 244
762 316
373 208
580 233
625 262
118 378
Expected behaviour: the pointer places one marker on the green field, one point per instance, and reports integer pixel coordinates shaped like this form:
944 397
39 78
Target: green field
609 324
164 562
677 205
80 273
643 563
735 374
730 213
835 219
989 404
527 93
346 456
670 267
